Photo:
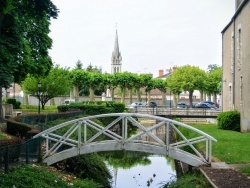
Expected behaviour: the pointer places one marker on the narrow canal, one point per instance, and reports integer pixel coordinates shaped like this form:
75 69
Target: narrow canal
155 172
137 169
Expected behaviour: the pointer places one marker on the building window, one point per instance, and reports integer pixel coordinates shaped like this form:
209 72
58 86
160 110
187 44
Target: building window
239 48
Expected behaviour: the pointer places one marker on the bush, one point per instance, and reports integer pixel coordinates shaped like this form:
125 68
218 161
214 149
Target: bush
229 120
18 129
16 104
88 166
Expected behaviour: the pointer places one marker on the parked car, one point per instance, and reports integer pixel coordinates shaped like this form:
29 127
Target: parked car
135 104
211 103
153 104
205 105
181 105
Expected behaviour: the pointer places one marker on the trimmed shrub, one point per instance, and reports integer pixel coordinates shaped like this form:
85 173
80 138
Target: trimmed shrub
229 120
16 104
18 129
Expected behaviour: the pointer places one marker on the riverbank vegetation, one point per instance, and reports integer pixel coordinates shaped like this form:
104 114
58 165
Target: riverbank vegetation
30 176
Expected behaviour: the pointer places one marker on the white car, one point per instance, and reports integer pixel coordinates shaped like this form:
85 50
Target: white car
135 104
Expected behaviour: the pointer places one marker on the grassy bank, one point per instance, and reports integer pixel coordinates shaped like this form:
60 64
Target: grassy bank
30 176
232 147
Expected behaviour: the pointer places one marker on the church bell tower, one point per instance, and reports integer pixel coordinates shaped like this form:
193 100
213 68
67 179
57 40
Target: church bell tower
116 59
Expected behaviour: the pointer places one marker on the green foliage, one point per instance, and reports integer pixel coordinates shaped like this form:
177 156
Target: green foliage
245 170
192 179
18 129
126 159
30 177
229 120
56 83
16 104
213 82
94 108
89 166
86 183
35 107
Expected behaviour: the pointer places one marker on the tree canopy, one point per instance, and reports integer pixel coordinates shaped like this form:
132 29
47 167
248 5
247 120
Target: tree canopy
188 78
24 40
55 84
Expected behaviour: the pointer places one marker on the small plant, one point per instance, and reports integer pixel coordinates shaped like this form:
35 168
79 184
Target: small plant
229 120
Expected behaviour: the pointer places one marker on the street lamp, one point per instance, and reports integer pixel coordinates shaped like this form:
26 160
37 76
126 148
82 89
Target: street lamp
39 85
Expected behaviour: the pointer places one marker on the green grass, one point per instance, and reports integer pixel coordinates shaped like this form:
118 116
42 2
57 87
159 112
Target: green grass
4 136
192 179
231 147
245 170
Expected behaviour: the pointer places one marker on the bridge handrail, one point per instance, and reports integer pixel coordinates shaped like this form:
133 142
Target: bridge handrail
126 114
123 141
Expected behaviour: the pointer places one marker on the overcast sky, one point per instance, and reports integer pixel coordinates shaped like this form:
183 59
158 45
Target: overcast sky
153 34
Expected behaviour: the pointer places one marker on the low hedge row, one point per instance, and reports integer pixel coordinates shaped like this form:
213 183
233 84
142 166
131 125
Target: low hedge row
93 108
18 129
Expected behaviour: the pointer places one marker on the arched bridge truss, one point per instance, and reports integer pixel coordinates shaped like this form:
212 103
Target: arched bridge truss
165 137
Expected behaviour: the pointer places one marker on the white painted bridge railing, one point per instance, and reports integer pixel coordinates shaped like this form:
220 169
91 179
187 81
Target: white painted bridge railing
87 135
163 110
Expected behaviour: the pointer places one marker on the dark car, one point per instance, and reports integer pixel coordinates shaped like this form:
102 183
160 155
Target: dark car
205 105
211 103
181 105
152 104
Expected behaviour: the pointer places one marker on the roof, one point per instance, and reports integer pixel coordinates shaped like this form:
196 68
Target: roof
235 15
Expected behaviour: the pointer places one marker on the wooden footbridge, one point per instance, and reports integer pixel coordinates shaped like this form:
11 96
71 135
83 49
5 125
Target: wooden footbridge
87 135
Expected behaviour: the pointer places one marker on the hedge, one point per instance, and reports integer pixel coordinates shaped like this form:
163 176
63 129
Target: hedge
229 120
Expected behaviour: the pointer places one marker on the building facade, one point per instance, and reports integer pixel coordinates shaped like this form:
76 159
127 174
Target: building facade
236 63
116 59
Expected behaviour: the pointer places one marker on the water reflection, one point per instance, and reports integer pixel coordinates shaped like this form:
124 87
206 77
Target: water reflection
142 171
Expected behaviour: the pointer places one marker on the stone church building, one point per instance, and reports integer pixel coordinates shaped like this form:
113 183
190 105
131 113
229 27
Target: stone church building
116 59
236 63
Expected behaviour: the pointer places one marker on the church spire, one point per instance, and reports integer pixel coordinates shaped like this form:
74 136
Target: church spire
116 57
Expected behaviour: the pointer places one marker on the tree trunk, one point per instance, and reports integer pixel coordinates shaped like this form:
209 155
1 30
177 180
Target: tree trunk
209 97
201 94
112 94
25 99
130 96
215 98
191 98
175 101
91 94
71 94
1 21
138 94
52 101
149 97
76 93
1 106
204 96
123 95
163 101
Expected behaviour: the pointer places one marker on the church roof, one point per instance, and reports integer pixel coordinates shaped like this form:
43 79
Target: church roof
116 55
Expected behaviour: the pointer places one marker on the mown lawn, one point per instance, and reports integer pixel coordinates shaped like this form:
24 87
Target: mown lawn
231 147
